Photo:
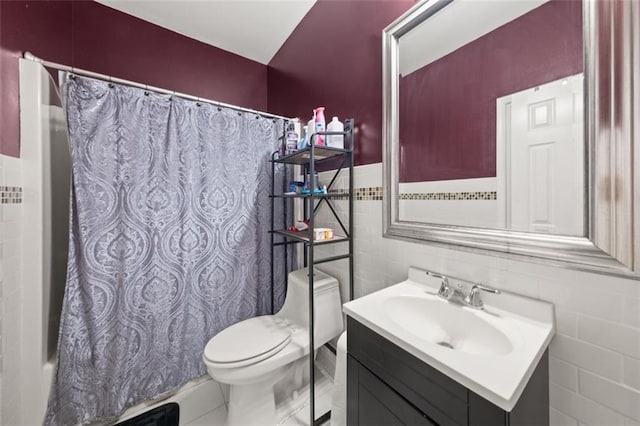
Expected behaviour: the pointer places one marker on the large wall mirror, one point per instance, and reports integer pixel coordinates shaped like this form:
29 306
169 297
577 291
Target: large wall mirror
510 128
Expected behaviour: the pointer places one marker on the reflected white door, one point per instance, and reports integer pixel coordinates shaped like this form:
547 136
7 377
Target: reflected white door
545 158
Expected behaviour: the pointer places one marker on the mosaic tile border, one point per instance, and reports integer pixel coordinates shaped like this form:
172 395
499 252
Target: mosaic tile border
450 196
369 193
10 195
375 193
13 195
364 193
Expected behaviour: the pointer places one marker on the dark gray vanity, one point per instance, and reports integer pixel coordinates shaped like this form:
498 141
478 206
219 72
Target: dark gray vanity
388 386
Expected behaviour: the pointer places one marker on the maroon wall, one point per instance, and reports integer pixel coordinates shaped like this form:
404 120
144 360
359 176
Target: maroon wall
448 107
334 59
44 27
89 35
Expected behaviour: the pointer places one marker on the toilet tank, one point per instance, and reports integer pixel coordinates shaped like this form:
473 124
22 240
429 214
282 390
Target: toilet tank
327 306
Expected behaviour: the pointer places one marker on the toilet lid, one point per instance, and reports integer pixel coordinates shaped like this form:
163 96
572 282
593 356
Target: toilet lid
248 341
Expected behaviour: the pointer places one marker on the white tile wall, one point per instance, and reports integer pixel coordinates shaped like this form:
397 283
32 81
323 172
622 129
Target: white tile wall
590 357
631 372
619 398
10 293
595 356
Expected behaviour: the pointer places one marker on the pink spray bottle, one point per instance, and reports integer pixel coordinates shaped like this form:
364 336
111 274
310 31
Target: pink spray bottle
320 125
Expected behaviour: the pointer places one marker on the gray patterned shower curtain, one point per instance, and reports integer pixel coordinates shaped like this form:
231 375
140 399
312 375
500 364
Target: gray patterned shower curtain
169 243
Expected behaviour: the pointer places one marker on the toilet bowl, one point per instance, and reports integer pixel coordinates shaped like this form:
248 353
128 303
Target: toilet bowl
254 354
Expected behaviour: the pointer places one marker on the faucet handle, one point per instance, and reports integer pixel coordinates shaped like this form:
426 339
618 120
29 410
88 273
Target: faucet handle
473 298
445 290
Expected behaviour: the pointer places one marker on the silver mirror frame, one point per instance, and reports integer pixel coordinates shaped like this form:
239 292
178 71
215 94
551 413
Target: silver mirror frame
612 131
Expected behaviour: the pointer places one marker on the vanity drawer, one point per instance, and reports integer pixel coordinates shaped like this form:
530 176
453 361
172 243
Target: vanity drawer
377 403
442 399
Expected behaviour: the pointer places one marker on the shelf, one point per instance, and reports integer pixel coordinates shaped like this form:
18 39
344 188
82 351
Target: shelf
304 237
286 238
319 153
344 195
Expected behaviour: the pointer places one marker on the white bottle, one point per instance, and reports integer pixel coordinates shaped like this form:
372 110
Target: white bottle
311 125
335 141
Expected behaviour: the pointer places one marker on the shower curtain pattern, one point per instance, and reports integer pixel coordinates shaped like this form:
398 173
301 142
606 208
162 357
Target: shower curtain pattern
169 243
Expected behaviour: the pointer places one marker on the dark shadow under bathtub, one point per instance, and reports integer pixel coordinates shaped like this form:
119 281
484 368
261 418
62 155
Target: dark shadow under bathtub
165 415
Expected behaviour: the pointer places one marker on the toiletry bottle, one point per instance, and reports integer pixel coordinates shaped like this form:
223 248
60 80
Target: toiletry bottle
292 139
311 127
320 124
308 183
297 126
335 141
304 141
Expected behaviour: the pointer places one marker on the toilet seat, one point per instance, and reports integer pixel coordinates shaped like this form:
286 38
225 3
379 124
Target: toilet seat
248 342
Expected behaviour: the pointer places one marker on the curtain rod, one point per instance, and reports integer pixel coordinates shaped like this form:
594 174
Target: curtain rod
61 67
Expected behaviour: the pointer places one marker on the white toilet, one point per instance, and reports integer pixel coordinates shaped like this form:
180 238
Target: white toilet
254 354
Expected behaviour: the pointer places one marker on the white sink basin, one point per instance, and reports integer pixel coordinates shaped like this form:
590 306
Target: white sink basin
451 326
492 352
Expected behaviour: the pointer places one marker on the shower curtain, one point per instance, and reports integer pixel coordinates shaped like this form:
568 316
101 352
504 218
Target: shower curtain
169 243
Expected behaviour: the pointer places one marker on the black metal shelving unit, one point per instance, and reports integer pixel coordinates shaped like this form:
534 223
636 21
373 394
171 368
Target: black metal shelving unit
308 158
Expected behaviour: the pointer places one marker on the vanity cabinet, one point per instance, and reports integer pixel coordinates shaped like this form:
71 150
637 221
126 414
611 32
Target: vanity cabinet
388 386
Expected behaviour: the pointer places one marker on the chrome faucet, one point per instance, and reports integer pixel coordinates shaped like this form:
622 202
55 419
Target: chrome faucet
456 295
445 290
473 299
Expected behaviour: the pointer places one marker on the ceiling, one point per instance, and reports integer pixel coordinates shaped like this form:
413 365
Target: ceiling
255 29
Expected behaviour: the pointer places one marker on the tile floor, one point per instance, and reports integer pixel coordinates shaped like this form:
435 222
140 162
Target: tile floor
203 402
296 412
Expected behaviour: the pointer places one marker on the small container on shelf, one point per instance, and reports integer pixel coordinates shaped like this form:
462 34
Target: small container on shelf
295 187
307 185
299 226
323 234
